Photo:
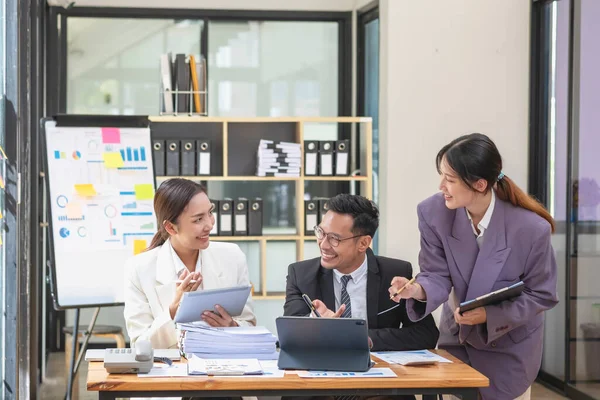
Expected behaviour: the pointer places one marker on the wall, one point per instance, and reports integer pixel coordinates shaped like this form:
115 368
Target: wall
459 67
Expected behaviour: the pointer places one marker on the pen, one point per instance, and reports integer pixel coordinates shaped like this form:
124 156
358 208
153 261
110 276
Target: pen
310 305
402 288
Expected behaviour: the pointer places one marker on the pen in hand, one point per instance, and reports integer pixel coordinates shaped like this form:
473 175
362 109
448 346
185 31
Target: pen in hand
310 305
402 288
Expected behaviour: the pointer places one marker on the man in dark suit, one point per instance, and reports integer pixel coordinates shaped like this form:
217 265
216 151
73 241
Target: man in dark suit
350 279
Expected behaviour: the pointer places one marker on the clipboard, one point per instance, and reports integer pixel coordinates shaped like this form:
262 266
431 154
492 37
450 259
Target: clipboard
193 304
494 297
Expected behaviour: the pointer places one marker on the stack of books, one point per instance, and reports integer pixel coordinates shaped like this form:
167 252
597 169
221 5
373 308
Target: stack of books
278 158
225 343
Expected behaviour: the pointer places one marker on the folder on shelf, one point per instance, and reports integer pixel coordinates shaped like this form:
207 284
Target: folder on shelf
240 220
216 213
323 205
188 158
195 85
158 154
202 86
311 215
173 158
166 74
203 147
311 151
342 159
225 217
182 82
255 217
326 158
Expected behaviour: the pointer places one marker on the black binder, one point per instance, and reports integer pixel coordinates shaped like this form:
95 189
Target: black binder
204 150
188 158
311 158
226 217
158 154
240 217
255 217
494 297
216 213
323 208
311 216
173 158
326 158
342 157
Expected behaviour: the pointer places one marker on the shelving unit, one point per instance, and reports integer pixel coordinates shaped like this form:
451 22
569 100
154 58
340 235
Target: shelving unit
233 158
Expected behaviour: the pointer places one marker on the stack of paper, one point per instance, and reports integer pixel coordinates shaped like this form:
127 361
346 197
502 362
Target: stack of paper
278 158
218 343
415 357
237 366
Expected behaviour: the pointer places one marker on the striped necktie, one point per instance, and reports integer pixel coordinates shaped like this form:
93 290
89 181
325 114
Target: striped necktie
346 297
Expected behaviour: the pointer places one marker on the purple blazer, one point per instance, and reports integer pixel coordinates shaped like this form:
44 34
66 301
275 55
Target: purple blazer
516 246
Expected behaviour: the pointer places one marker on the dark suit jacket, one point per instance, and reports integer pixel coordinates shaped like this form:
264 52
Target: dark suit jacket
311 278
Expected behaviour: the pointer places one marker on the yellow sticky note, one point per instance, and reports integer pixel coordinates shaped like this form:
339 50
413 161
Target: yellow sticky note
74 210
1 216
139 246
113 160
85 189
144 191
1 182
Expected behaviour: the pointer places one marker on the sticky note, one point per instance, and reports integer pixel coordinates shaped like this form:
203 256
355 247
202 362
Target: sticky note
139 246
144 191
74 210
113 160
111 135
1 182
1 216
85 189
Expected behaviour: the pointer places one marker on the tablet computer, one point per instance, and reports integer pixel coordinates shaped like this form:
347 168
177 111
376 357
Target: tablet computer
494 297
193 304
325 344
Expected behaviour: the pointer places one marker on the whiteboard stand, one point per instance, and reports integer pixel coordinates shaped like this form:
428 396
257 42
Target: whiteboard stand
86 338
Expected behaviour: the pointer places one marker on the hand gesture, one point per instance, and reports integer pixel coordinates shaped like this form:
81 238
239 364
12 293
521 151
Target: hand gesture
219 319
326 312
185 286
411 291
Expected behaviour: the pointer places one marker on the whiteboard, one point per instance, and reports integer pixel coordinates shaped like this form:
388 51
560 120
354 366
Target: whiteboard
100 190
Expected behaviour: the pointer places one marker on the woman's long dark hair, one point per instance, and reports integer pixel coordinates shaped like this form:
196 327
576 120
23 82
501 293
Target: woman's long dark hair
171 198
475 157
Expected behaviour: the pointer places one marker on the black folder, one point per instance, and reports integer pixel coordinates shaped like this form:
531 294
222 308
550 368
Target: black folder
494 297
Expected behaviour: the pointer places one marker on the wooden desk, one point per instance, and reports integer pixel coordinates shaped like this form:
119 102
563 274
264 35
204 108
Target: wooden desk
454 378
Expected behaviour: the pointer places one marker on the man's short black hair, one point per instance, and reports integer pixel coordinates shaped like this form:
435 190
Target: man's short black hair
363 210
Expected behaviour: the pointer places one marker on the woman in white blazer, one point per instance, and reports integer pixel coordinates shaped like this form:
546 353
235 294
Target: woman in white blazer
180 250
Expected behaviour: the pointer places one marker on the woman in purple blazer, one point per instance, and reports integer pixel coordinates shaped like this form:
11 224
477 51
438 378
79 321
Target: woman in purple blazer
482 233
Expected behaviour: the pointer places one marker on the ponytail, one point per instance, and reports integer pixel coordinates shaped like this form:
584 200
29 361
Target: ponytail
159 238
507 190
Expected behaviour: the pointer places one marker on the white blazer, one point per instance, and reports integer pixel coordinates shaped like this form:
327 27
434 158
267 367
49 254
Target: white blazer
150 289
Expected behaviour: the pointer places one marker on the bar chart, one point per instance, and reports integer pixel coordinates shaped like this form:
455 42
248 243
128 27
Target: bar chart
133 154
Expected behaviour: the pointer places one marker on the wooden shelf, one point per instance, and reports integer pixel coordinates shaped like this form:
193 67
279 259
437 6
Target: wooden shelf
268 297
270 178
255 238
234 141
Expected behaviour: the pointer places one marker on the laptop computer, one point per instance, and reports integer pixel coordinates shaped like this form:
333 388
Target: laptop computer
324 344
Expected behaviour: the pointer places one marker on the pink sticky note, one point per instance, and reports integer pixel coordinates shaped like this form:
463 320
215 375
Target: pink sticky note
111 135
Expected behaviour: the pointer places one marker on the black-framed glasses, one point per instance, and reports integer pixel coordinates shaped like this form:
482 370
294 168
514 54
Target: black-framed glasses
333 240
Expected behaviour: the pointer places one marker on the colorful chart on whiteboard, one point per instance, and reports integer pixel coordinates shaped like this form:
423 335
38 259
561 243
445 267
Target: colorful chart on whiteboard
102 190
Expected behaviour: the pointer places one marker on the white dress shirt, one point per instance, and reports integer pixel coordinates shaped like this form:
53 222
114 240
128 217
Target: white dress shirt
485 221
356 288
180 266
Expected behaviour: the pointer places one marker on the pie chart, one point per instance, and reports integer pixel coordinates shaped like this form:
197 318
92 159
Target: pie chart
64 232
76 155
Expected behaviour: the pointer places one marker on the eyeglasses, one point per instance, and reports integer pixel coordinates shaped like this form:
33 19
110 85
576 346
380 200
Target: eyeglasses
333 240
